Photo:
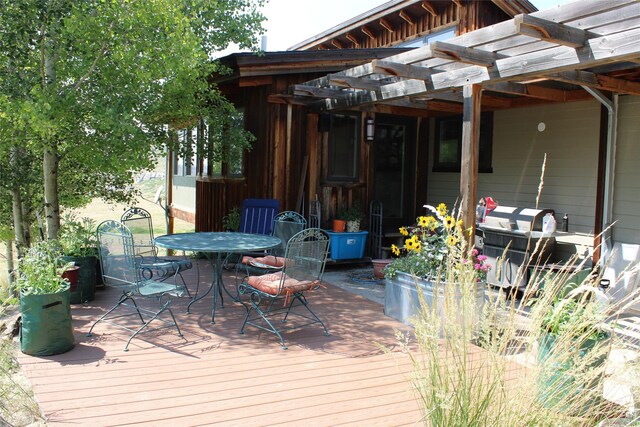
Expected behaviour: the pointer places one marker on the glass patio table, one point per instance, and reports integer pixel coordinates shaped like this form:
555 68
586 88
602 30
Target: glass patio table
214 245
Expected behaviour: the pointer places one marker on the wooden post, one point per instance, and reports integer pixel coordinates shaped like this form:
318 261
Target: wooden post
470 153
314 162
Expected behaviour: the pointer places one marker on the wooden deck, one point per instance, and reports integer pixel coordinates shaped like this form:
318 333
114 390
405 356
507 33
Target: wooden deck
214 375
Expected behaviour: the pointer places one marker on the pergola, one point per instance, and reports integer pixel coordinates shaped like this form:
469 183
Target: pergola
581 49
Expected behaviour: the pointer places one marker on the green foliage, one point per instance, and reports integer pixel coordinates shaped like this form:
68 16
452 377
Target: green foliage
78 236
95 83
435 247
354 213
231 221
40 270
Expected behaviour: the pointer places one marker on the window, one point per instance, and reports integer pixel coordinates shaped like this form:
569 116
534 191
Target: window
448 144
344 137
203 150
421 41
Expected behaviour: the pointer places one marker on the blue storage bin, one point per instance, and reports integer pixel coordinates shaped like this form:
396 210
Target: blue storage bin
347 245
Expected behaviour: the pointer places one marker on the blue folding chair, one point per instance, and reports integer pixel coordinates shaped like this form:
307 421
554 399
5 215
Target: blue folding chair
257 215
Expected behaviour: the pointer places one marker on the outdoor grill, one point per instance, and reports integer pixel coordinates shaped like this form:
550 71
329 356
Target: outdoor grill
519 229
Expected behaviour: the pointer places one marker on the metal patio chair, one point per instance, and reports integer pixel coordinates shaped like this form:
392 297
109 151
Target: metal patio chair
139 222
119 269
285 225
273 299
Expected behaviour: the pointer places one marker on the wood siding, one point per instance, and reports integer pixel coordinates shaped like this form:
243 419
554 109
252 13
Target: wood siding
467 17
626 204
570 141
272 168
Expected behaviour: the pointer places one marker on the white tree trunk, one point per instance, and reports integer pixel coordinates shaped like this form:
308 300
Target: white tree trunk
51 202
10 267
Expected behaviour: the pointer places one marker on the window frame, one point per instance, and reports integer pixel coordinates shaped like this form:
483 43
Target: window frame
485 154
332 140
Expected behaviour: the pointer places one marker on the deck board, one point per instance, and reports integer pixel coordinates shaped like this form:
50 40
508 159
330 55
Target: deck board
216 376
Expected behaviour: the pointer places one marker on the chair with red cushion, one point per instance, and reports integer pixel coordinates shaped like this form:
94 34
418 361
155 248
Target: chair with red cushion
285 225
277 302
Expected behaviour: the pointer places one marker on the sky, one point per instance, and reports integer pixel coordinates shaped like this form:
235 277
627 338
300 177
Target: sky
292 21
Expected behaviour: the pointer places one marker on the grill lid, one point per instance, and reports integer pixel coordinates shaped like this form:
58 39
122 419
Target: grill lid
515 219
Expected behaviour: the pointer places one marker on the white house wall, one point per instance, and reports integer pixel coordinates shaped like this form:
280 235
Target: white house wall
626 197
570 141
184 193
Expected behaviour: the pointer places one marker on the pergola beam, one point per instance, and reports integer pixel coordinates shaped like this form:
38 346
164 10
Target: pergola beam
463 54
400 70
597 81
550 31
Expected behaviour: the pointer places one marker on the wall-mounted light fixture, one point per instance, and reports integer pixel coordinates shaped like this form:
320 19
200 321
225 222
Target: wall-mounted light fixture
369 129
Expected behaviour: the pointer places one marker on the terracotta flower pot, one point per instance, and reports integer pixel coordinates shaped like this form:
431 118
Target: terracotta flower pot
339 225
378 267
71 274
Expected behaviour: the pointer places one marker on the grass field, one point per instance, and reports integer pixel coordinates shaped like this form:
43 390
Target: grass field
99 211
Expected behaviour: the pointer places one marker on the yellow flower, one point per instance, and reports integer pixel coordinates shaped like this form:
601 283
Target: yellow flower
449 222
404 231
452 240
395 250
442 209
432 223
417 246
423 221
408 244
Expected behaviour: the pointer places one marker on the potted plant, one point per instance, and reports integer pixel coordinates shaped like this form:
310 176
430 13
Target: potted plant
46 327
434 260
231 221
573 345
78 242
353 216
339 222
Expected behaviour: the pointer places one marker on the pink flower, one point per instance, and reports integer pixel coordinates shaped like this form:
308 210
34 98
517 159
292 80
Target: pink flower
478 266
475 252
482 258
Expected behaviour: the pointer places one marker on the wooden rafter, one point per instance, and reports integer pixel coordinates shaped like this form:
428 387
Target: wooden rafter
353 39
368 32
532 91
386 25
597 81
463 54
401 70
457 2
429 8
337 43
550 31
318 92
502 58
407 18
354 82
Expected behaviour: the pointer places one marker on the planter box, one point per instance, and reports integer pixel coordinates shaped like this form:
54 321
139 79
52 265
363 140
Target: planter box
347 245
401 296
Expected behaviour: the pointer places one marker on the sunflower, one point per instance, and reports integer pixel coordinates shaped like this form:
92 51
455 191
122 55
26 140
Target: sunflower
449 222
423 221
442 209
404 231
417 246
395 250
431 223
408 243
452 240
